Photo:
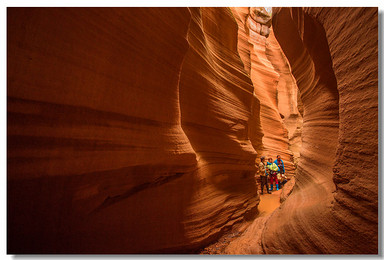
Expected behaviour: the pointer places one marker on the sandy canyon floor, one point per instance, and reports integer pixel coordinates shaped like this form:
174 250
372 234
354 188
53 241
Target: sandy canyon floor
268 203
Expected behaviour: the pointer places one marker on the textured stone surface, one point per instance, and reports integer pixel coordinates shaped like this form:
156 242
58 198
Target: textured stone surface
275 87
135 130
288 101
333 54
333 207
216 100
127 129
287 189
244 47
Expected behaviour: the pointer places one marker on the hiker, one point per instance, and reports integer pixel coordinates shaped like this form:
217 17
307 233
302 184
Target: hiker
280 164
263 175
273 169
281 179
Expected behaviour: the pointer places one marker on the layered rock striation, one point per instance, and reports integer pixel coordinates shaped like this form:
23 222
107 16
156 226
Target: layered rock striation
333 206
333 55
127 129
216 104
275 87
94 129
135 130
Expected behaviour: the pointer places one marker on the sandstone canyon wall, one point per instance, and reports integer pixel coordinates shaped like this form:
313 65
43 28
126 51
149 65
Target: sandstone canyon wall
333 208
135 130
288 102
127 129
274 86
216 104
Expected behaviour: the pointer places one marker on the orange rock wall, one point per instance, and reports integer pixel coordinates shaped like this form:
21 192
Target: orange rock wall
288 99
135 130
215 101
333 55
274 87
127 129
244 48
333 208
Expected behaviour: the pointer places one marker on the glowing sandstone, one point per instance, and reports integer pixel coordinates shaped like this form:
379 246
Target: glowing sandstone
333 54
274 86
135 130
333 208
216 100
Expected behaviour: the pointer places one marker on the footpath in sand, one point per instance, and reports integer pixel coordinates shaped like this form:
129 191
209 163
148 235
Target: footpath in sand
234 238
268 203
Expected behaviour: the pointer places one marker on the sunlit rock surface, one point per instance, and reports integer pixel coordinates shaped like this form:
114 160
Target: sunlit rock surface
333 208
274 86
216 101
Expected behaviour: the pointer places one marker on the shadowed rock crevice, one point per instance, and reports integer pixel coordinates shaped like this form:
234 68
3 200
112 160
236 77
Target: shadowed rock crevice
109 201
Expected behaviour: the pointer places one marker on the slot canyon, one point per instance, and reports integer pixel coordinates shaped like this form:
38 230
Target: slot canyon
140 130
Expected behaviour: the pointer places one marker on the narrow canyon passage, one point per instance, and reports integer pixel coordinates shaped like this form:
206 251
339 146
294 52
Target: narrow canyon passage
140 130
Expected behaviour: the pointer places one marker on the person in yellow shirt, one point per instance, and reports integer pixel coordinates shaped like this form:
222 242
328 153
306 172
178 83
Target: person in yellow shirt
273 169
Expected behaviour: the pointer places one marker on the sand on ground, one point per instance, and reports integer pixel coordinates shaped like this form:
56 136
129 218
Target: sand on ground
268 203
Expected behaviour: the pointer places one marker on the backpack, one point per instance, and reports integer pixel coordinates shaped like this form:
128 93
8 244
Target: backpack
274 167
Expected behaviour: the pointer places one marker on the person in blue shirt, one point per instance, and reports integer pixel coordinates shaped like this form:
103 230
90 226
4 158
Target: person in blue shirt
280 164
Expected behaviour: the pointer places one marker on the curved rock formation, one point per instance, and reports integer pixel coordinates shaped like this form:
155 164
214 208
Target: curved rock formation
243 45
215 101
94 132
135 130
333 55
334 203
244 48
288 101
274 86
127 129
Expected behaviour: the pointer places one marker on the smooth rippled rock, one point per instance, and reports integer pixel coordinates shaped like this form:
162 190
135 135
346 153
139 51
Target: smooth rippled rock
127 129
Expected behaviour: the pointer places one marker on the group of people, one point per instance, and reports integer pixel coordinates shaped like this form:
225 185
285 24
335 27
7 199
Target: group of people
274 171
